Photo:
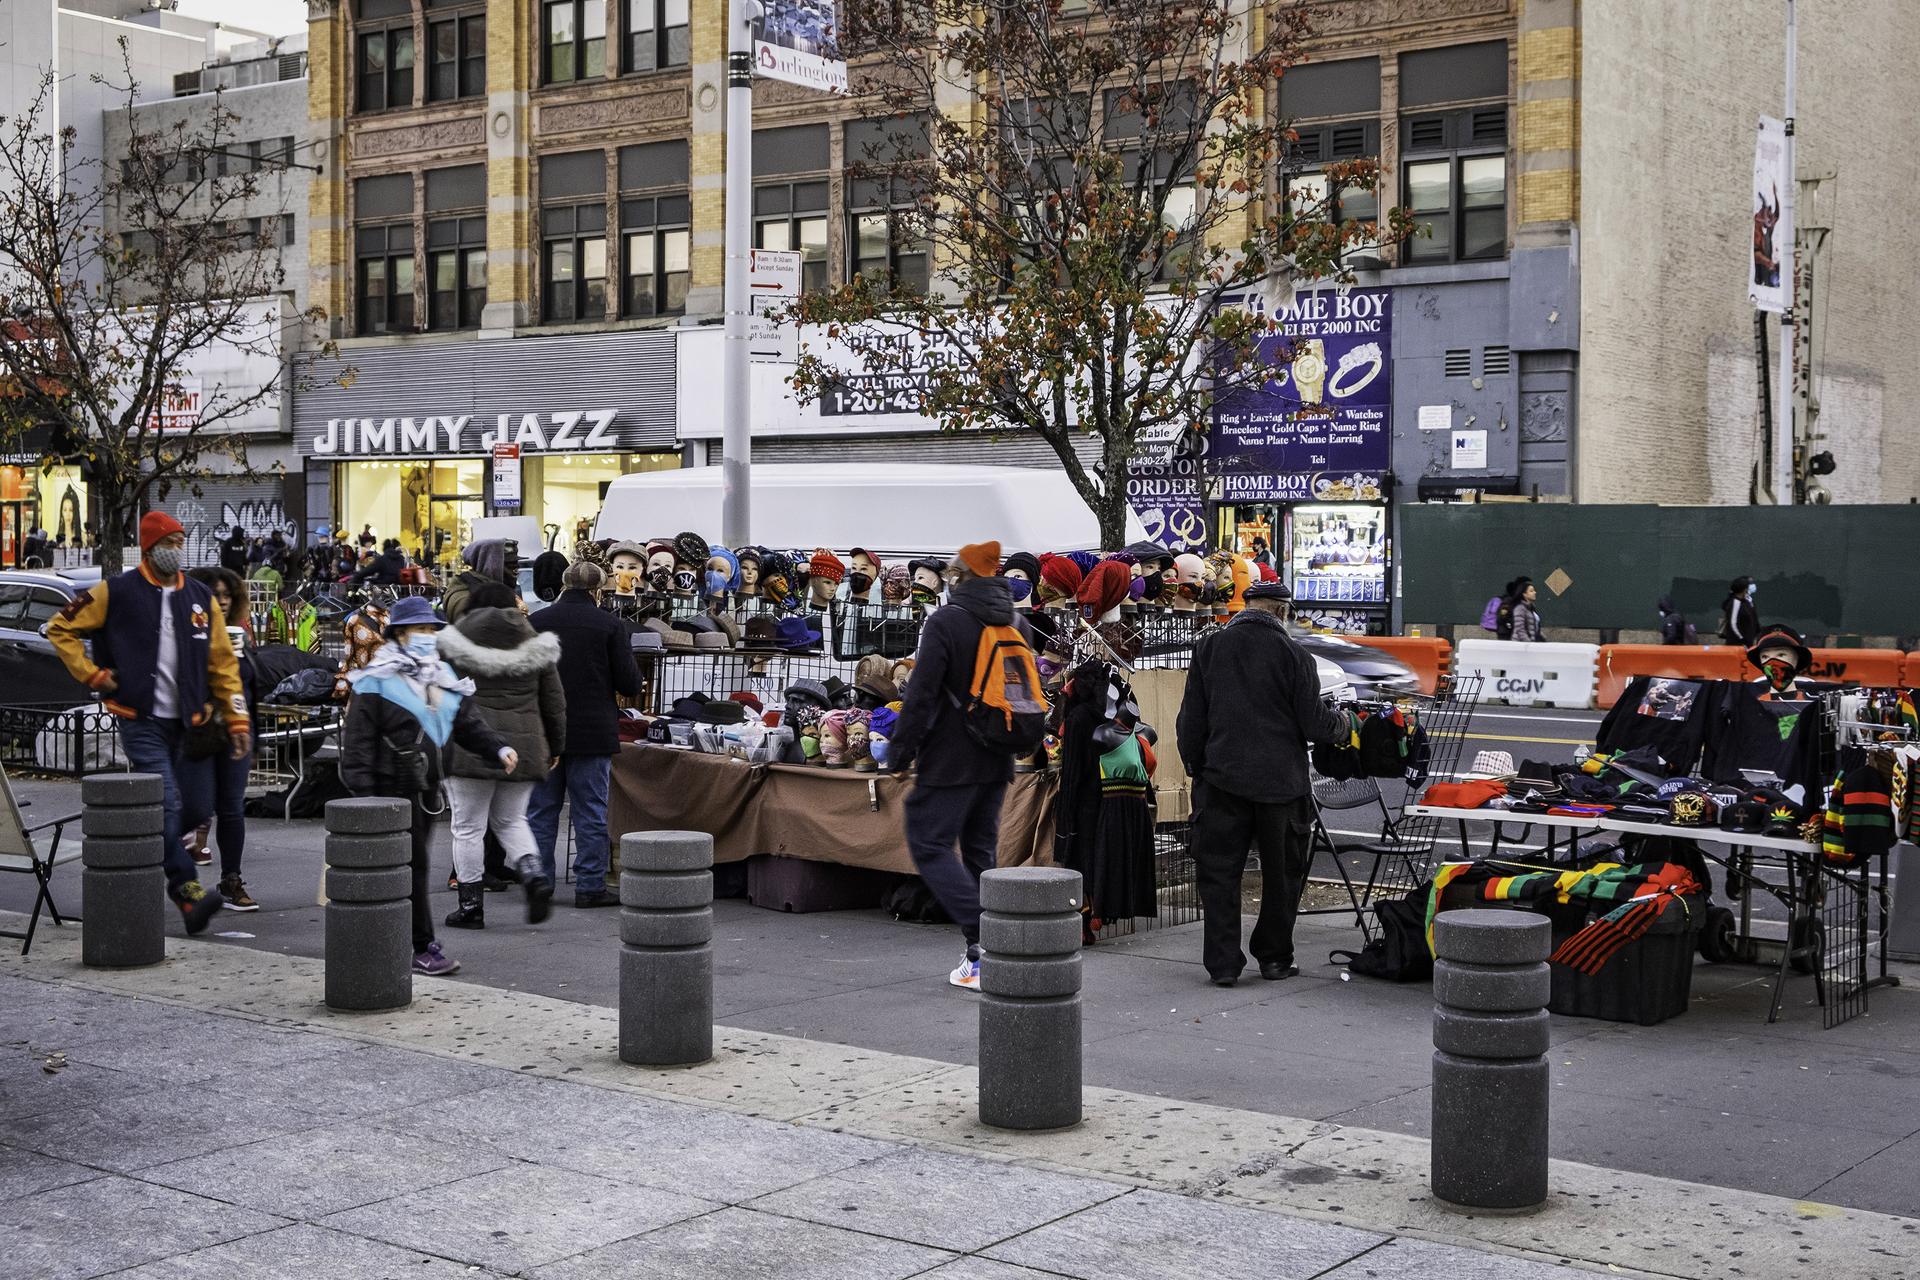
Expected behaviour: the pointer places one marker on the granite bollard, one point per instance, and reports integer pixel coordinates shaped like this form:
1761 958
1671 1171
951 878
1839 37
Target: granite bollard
123 887
369 904
1030 998
1490 1079
666 948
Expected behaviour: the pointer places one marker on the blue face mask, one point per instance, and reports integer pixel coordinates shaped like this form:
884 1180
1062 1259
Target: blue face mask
1020 588
423 644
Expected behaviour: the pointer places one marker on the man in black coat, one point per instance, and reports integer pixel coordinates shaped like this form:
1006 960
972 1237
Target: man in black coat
959 783
1252 705
596 662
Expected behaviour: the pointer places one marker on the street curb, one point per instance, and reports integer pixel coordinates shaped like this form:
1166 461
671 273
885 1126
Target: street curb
1314 1170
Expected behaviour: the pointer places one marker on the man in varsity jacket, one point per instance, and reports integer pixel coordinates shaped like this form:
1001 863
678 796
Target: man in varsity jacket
162 664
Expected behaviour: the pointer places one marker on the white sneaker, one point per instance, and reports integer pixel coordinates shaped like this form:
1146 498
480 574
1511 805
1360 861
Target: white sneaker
967 975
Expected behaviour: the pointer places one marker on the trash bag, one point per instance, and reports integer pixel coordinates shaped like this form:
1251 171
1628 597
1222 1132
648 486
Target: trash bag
310 688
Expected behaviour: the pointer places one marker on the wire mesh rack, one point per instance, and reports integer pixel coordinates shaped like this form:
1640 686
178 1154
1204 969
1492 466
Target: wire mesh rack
1404 856
1841 943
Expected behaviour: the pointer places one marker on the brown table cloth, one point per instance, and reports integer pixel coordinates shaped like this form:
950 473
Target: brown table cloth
801 811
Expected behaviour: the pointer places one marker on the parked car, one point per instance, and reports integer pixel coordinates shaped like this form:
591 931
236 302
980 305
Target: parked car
31 674
1370 672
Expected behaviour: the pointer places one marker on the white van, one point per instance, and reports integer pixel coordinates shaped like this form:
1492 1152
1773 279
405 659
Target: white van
897 509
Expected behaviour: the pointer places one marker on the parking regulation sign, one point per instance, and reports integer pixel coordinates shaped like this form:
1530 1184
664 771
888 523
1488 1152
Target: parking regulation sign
773 284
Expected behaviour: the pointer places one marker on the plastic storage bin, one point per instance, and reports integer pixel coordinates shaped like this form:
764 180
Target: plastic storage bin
1649 980
800 884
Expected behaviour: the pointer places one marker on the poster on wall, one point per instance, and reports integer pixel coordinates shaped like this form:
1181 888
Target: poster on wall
1329 409
1764 278
1338 554
798 41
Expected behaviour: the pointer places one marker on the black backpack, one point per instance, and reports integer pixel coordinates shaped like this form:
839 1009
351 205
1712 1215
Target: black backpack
1398 952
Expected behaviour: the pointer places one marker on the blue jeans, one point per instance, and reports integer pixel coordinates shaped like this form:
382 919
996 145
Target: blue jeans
217 785
153 746
584 781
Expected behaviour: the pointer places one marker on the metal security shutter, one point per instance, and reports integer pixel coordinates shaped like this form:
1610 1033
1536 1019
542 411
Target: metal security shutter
1007 451
256 504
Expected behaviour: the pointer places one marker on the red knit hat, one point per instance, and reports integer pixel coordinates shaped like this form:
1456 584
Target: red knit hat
1060 573
1105 587
154 526
1267 573
826 565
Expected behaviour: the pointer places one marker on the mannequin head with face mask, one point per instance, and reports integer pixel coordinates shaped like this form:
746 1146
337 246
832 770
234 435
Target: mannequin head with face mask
1782 656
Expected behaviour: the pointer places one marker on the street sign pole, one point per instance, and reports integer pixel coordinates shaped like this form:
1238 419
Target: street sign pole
736 509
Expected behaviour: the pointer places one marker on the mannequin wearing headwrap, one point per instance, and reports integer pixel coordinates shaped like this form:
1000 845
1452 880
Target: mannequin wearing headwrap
1060 580
896 586
776 584
1102 591
723 573
833 739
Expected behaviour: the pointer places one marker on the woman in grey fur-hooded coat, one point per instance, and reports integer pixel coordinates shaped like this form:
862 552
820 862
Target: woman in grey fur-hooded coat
517 691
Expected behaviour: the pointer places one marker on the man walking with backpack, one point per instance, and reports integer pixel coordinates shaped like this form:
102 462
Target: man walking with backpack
1252 704
973 704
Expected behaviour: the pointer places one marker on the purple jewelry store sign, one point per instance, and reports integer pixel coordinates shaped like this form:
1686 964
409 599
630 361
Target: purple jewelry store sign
1341 342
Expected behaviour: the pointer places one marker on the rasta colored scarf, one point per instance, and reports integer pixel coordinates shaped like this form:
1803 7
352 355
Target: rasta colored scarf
1641 894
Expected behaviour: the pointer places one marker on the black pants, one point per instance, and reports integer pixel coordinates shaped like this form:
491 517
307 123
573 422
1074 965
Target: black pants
1229 825
422 910
938 819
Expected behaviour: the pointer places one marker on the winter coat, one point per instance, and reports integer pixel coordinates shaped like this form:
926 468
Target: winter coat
1739 622
931 732
385 571
516 677
1526 622
377 728
1252 704
233 554
596 662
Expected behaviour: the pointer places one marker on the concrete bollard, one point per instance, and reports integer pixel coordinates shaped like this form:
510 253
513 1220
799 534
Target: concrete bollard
1030 998
369 904
666 948
123 888
1903 920
1490 1083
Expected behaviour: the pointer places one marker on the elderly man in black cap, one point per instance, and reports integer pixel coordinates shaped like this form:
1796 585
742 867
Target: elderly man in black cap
1252 705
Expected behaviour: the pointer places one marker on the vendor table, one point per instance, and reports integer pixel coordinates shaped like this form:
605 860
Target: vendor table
1834 949
801 811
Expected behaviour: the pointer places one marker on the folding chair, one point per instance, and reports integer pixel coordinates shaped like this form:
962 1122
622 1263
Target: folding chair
19 853
1342 795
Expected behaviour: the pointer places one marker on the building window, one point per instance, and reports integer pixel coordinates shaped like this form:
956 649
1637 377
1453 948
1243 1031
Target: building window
575 282
656 34
457 57
575 39
456 272
385 61
1454 151
656 251
384 291
1462 202
887 231
890 248
793 215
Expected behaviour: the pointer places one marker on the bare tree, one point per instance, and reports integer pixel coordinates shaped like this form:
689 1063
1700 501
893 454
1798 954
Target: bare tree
114 277
1099 187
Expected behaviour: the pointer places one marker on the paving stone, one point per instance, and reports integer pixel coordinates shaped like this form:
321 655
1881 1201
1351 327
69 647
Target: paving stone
110 1223
547 1121
373 1079
986 1269
28 1089
304 1250
1404 1259
1148 1235
323 1171
198 1049
737 1242
947 1201
154 1127
24 1172
518 1217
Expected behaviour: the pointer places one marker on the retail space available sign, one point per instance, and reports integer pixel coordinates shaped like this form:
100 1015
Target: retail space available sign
773 284
1325 420
506 475
799 41
571 431
179 407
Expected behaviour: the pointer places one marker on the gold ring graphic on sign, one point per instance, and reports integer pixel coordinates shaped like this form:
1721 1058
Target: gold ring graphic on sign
1368 355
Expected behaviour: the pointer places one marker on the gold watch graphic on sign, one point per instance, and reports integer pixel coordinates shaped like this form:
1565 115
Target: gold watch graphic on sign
1310 370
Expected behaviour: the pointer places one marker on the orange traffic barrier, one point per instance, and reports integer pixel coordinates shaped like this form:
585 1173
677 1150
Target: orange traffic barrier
1620 663
1875 668
1426 655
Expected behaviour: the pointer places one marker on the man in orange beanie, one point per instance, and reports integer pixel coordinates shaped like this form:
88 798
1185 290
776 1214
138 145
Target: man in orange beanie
162 663
960 780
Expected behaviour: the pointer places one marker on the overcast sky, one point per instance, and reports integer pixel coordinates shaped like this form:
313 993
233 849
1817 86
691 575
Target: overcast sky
275 17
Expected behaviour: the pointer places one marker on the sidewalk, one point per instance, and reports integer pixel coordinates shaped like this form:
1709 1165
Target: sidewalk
212 1118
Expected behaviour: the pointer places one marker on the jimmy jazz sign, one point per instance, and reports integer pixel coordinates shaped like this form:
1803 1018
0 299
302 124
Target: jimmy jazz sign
571 431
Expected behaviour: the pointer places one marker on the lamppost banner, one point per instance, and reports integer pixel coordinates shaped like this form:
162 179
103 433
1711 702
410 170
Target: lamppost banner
799 41
1765 281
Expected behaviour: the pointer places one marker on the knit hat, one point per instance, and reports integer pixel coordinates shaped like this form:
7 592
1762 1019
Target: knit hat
1105 587
1026 562
690 548
154 526
983 558
652 548
1062 574
1267 571
1085 559
827 565
583 575
1274 590
896 584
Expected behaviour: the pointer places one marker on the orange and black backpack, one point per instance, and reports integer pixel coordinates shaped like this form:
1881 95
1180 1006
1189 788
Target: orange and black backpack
1005 709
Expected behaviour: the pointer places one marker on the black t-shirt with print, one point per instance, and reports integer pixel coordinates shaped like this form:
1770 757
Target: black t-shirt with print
1755 731
1669 715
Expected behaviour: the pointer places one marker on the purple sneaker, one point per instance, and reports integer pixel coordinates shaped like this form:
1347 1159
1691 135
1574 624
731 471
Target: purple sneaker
434 962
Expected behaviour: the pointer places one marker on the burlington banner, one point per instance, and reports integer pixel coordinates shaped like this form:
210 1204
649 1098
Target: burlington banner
799 41
1329 412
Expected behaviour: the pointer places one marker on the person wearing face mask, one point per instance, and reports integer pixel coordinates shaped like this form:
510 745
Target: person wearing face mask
486 562
406 706
163 664
1739 622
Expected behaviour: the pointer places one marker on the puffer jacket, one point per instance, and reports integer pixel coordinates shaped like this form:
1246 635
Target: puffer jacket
517 691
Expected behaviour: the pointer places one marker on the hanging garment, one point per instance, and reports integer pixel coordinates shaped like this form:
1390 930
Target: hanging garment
1754 731
1667 715
1858 822
1122 884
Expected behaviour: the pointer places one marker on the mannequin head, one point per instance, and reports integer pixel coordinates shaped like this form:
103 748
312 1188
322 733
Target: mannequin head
749 571
895 586
820 591
660 570
863 572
